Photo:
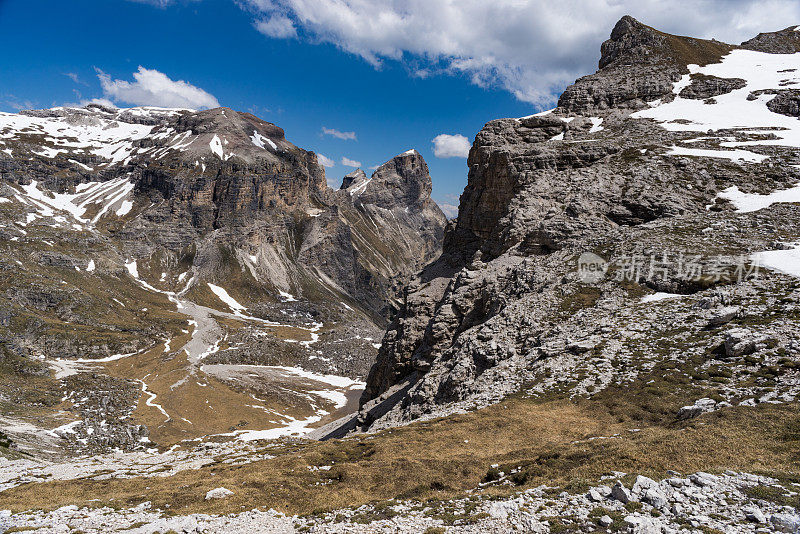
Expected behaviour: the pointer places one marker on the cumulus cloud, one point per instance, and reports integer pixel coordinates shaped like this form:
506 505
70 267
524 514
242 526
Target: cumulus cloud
277 26
153 88
351 136
532 48
325 161
451 146
347 162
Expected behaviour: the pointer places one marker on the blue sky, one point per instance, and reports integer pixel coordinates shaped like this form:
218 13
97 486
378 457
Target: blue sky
396 74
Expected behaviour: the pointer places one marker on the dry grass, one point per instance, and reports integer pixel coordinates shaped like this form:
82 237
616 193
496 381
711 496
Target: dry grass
198 404
441 459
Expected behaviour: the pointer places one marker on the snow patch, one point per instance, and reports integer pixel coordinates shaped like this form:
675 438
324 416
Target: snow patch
226 298
661 296
749 202
286 297
733 155
733 110
216 146
259 140
784 261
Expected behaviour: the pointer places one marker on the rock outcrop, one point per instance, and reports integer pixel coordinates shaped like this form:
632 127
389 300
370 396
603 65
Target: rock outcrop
786 41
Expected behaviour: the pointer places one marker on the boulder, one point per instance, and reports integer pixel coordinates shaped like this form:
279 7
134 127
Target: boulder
621 493
740 342
218 493
785 522
700 406
724 316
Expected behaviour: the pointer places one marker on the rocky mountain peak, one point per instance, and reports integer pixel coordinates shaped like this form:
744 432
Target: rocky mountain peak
355 178
404 180
643 155
631 41
638 64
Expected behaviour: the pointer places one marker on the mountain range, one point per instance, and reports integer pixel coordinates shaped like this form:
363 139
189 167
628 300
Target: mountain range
604 340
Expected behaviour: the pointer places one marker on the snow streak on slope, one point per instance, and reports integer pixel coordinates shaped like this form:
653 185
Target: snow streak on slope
733 110
223 295
113 195
95 135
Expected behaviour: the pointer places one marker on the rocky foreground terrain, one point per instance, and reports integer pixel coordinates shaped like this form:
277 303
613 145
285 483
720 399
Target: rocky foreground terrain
607 343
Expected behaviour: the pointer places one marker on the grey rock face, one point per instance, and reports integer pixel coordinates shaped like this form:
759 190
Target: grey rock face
786 102
397 198
785 522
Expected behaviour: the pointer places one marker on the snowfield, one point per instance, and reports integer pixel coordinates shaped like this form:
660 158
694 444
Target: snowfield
733 111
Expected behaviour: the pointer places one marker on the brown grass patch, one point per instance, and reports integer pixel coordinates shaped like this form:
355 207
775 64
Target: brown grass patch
441 459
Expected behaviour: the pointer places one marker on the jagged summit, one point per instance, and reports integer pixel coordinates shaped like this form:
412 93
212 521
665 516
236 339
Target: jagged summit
633 42
355 178
638 64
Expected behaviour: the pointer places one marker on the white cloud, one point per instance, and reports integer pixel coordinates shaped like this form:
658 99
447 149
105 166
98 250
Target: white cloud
325 161
351 136
450 211
18 105
347 162
451 146
74 77
154 88
532 48
106 103
277 26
